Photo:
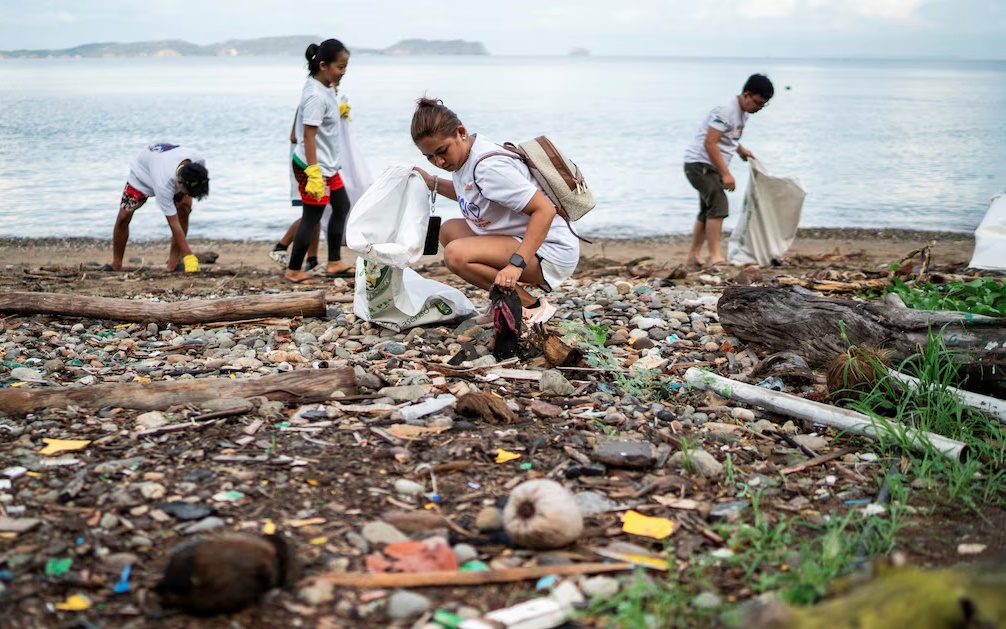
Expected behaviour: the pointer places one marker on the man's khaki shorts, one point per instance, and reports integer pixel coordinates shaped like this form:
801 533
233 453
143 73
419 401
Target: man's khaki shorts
712 198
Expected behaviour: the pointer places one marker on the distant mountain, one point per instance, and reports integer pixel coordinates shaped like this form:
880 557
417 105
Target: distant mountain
434 47
288 45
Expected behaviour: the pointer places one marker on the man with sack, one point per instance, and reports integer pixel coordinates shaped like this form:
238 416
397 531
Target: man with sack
707 165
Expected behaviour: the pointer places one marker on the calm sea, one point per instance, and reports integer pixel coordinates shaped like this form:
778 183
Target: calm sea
914 144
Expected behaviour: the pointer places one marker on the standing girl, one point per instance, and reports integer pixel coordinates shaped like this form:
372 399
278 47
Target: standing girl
316 158
510 232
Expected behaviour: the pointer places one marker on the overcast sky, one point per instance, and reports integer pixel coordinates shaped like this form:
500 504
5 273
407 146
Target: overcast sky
758 28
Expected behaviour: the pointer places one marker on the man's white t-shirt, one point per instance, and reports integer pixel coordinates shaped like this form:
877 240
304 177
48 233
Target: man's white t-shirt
505 187
730 119
319 107
154 173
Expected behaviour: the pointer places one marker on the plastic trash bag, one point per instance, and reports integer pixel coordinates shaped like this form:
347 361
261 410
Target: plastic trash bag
990 237
387 228
399 299
388 224
354 172
769 218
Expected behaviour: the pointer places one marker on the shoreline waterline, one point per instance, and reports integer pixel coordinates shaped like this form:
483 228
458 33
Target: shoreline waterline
804 233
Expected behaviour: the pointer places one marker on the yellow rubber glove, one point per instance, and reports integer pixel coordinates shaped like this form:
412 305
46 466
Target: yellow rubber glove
315 184
344 110
191 263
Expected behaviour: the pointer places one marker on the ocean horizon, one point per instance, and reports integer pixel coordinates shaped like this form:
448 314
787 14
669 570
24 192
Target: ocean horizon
877 143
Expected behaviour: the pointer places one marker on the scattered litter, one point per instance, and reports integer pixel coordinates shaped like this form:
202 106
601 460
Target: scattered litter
636 523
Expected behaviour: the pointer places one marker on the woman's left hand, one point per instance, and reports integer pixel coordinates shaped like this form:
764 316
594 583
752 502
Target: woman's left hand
507 277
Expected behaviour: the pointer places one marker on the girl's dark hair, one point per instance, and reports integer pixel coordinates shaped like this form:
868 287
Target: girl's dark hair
196 179
433 119
326 51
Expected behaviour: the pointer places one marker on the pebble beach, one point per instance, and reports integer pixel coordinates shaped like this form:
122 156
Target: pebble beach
352 482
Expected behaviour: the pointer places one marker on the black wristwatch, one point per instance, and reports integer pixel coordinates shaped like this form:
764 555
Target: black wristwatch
518 261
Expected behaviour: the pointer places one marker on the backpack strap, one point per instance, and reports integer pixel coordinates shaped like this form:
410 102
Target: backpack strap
516 152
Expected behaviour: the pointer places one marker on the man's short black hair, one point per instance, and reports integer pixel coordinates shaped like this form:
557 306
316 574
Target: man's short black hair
760 85
196 179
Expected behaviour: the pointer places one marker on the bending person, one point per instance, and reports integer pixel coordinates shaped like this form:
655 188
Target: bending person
174 176
510 232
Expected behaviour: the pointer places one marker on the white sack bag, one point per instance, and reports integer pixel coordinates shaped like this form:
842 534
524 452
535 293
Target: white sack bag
990 237
769 218
399 299
388 224
354 171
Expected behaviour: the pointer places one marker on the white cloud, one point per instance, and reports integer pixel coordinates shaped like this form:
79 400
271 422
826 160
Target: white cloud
887 9
767 8
58 16
882 9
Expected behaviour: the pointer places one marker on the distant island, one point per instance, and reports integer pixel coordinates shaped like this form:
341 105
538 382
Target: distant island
263 46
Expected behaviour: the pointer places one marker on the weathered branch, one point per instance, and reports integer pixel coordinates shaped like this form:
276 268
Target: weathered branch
788 320
305 385
307 304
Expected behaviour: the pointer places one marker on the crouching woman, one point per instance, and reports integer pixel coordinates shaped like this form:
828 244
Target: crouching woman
510 234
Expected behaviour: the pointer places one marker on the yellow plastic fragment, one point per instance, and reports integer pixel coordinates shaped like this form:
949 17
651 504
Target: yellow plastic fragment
55 446
636 523
269 527
75 603
318 541
502 456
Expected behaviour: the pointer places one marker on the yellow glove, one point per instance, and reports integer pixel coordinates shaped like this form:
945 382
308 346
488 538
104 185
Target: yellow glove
191 263
315 184
344 110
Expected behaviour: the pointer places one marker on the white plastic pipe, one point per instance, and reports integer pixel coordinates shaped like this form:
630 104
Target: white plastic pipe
990 405
842 418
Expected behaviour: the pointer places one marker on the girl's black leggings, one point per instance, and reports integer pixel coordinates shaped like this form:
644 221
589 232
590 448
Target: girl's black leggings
310 218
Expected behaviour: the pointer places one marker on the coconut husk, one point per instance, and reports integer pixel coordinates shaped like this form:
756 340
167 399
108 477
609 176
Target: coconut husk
857 371
485 407
557 353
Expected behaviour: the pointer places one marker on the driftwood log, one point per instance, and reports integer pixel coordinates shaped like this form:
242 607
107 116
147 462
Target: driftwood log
809 325
188 312
305 385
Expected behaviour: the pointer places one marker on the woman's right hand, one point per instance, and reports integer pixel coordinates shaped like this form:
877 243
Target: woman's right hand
427 177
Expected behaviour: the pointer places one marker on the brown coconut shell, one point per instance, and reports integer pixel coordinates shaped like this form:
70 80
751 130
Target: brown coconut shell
857 371
542 515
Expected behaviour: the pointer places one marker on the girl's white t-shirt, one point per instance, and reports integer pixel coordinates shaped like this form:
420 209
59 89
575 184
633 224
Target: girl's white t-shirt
505 187
154 172
319 107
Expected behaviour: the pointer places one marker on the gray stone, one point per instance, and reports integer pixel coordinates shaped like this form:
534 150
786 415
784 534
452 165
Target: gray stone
395 349
378 532
206 524
465 553
484 361
699 461
636 454
404 604
18 525
553 383
409 393
591 503
237 404
707 600
600 587
25 373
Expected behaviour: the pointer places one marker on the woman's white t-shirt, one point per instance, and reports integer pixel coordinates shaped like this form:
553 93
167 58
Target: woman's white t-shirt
319 107
505 187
